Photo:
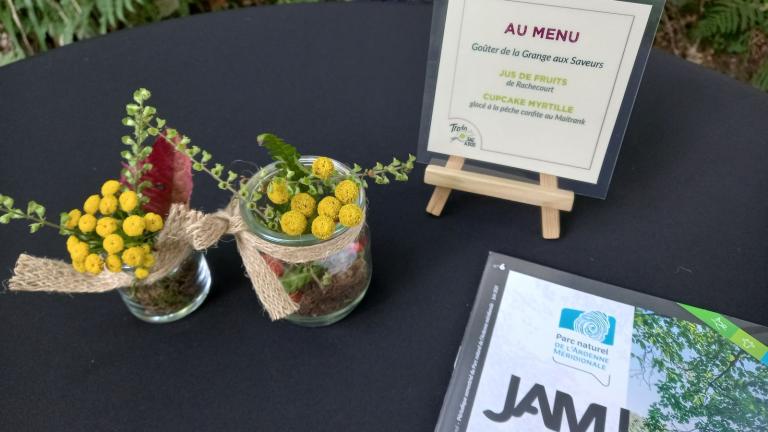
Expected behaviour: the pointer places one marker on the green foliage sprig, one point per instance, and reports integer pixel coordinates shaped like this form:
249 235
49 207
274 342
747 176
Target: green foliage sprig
299 275
35 214
140 117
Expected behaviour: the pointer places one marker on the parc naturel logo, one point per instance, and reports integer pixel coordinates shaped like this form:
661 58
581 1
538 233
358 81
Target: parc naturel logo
582 342
593 324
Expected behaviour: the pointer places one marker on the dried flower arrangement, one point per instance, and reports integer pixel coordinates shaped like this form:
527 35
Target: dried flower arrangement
115 240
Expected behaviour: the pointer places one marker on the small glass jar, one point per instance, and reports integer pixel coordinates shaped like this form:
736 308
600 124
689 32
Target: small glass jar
326 290
173 297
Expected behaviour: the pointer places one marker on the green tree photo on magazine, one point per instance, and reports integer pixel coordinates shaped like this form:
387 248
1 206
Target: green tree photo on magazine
704 382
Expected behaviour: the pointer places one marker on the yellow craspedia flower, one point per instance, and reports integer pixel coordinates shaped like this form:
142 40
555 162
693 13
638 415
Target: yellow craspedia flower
329 206
94 264
303 203
91 205
134 256
149 260
110 187
347 191
147 248
350 215
114 264
87 223
323 167
113 244
133 226
323 227
106 226
141 273
277 191
153 221
72 241
108 205
79 251
128 201
79 266
73 217
293 223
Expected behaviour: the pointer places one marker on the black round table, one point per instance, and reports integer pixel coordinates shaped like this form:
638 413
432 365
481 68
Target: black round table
686 219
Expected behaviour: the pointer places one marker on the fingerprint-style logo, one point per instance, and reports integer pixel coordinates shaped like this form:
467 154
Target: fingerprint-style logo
594 324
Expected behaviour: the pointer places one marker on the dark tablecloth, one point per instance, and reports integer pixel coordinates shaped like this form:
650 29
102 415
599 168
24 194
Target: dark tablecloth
685 219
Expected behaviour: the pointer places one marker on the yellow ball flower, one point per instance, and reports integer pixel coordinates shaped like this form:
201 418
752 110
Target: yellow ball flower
329 206
108 205
91 205
323 167
277 191
293 223
106 226
141 273
73 217
323 227
79 251
72 241
94 264
133 226
110 187
350 215
147 248
87 223
347 191
114 264
113 244
153 221
149 260
303 203
79 266
128 201
134 256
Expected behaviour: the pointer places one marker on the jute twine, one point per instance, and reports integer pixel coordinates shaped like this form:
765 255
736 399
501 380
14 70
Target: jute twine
187 230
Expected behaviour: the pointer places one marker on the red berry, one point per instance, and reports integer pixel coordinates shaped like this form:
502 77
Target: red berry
274 264
296 296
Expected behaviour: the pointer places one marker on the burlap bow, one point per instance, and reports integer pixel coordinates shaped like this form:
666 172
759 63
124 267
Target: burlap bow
186 230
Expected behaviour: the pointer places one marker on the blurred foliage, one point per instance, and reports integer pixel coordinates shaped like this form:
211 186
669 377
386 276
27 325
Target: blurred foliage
28 27
727 35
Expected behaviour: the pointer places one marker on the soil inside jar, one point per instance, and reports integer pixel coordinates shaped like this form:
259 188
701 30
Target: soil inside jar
345 287
169 294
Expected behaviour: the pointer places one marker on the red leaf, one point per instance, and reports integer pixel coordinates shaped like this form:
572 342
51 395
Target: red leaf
171 177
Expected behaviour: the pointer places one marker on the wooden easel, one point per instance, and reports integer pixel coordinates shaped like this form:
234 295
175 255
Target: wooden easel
546 194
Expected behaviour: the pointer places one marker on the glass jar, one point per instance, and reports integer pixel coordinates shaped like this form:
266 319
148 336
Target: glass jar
173 297
326 290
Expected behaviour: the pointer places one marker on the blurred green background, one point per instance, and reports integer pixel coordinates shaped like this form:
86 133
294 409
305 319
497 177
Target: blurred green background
728 35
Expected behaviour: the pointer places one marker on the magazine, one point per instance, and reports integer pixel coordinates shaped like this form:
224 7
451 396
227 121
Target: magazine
546 350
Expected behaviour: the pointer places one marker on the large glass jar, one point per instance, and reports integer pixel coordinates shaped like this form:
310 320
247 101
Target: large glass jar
173 297
328 289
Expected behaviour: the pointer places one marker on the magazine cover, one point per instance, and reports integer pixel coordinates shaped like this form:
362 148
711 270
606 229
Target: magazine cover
545 350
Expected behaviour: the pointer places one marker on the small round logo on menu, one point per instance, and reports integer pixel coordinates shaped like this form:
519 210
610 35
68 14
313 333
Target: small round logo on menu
463 132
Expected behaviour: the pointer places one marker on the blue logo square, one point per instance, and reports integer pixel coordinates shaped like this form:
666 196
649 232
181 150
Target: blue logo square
593 324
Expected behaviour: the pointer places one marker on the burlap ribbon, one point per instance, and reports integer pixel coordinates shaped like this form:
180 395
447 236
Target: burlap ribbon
187 230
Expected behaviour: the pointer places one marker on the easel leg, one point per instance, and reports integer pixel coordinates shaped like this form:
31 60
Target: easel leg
550 218
441 194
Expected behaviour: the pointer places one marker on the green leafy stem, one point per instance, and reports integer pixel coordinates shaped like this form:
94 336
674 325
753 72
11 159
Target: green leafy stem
35 214
139 117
